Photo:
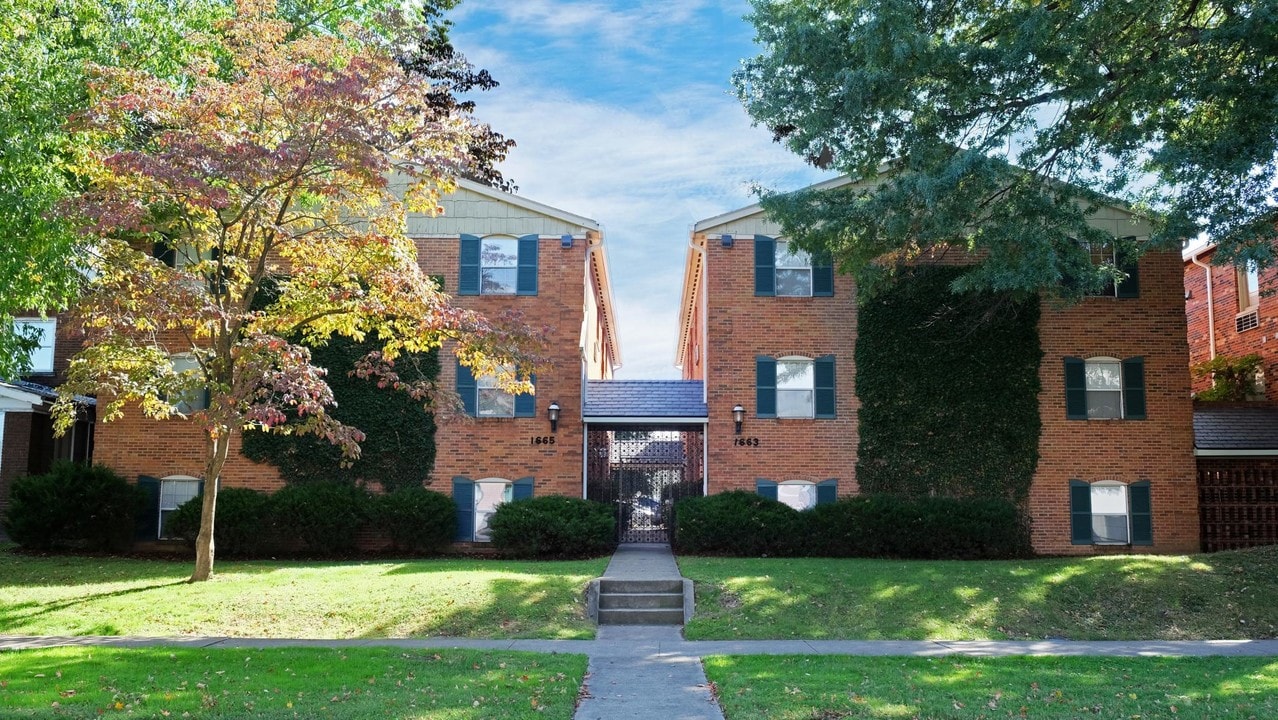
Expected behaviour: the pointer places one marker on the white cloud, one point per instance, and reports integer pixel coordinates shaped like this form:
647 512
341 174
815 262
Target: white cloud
599 23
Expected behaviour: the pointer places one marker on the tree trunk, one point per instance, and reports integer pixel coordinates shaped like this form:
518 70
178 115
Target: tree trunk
217 446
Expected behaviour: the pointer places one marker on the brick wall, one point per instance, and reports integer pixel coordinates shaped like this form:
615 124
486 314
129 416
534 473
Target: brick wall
1158 449
1229 342
15 449
504 447
741 326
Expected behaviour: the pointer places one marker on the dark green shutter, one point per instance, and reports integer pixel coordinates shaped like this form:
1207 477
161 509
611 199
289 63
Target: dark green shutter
822 276
147 526
823 386
526 275
467 390
827 491
1080 513
526 403
468 272
1130 287
522 489
1134 388
464 499
1075 389
766 488
765 266
765 395
1141 512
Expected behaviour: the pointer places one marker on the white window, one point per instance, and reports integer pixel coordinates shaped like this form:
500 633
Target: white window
489 494
1104 388
798 494
793 271
499 265
194 398
42 356
795 383
175 490
492 401
1110 522
1248 279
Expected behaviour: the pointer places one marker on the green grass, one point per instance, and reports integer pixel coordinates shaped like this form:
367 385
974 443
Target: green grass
825 688
1219 596
287 683
65 595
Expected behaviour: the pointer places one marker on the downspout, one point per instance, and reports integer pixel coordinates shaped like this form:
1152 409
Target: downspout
1211 308
705 316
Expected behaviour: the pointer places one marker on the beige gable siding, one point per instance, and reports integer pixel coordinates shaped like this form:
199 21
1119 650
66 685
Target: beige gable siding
756 224
467 211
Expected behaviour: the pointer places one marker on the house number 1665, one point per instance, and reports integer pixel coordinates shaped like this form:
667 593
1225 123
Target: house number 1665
542 440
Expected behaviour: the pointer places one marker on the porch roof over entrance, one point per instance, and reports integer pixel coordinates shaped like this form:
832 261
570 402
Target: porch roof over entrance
645 401
1242 428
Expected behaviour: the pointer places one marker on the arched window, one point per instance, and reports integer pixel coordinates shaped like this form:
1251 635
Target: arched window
174 491
1105 388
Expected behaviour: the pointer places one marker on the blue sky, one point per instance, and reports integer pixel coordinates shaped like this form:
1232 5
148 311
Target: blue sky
623 112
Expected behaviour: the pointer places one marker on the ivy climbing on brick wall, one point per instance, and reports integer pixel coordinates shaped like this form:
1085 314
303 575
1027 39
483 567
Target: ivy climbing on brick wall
949 390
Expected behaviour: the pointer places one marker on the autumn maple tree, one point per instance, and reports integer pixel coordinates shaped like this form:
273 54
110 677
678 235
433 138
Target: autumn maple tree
257 206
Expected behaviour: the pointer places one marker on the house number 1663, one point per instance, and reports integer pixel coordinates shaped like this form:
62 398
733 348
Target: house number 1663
746 442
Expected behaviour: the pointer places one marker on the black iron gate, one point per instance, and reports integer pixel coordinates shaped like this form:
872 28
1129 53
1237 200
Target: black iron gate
643 470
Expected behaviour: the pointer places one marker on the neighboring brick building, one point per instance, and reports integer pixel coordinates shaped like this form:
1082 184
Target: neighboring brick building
771 332
494 251
1230 314
27 444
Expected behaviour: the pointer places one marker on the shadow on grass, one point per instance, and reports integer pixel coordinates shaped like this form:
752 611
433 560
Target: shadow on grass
1221 596
18 614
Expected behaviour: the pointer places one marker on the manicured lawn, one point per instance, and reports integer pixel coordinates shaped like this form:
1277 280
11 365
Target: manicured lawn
287 683
825 688
62 595
1218 596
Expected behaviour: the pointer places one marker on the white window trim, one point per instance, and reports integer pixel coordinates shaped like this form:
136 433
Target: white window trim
514 288
778 244
1245 278
48 342
477 527
1127 511
811 363
492 385
1122 393
811 494
161 509
200 403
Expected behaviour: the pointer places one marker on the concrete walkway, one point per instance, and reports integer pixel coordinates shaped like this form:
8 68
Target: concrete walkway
652 672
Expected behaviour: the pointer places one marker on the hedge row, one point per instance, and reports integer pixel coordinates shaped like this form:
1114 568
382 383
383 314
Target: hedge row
326 517
73 506
744 524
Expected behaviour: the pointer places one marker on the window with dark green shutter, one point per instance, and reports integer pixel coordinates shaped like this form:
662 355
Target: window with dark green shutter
1129 287
765 277
823 387
468 272
766 488
467 390
1110 513
1103 388
523 489
147 526
1080 512
827 491
481 396
1142 513
464 500
822 276
526 403
526 280
765 397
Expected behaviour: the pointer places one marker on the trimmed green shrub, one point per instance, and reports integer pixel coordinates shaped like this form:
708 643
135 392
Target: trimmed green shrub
554 526
416 519
949 389
241 528
325 515
738 523
920 528
76 506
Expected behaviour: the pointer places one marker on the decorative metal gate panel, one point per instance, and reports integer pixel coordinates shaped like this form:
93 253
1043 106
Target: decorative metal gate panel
643 471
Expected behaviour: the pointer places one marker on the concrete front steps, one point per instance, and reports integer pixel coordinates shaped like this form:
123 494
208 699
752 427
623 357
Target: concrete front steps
640 602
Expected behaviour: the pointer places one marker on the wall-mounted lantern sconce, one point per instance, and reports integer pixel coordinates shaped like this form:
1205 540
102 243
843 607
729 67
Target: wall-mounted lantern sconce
738 417
553 413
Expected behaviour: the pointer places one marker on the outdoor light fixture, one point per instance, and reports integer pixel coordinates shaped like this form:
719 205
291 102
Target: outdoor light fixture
553 413
565 241
725 240
738 417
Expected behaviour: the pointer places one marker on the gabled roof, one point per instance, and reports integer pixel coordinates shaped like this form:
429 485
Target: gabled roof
1226 428
638 400
529 205
755 209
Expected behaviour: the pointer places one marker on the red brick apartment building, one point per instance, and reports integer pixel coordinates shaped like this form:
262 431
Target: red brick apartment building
494 251
773 337
1232 312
